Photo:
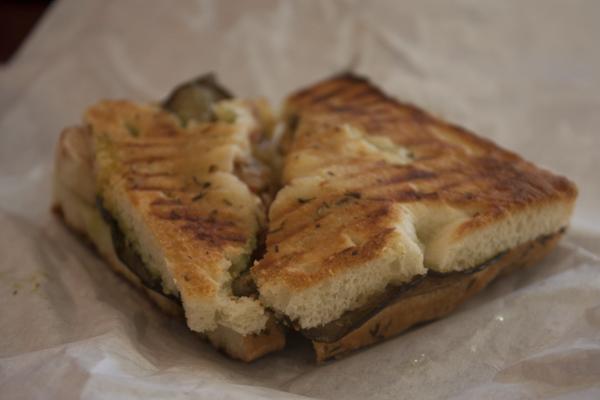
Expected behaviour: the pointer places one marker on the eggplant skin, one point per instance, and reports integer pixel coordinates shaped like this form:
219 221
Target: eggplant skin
194 99
129 256
352 319
244 285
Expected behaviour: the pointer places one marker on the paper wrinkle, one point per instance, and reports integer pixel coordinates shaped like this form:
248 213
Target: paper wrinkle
517 73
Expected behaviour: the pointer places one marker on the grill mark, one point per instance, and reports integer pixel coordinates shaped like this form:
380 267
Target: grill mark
412 195
345 109
184 214
212 235
147 159
338 90
417 115
350 77
147 144
371 216
357 95
345 79
156 188
302 95
205 228
367 250
166 202
410 175
133 173
373 167
451 185
381 109
366 100
283 235
165 130
387 118
272 263
423 159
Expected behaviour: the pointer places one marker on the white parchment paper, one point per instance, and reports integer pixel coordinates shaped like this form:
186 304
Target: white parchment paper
523 73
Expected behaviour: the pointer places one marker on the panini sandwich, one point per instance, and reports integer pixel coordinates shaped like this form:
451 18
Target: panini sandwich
170 195
388 217
383 216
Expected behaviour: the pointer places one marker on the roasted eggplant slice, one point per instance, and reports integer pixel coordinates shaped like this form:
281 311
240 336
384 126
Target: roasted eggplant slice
244 285
352 319
194 99
129 256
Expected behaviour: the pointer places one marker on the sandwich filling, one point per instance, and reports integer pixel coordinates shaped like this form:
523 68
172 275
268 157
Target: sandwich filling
420 286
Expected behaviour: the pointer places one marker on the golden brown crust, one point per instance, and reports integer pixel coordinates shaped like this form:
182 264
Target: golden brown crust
460 166
327 237
433 298
180 181
246 348
250 347
256 346
165 304
448 167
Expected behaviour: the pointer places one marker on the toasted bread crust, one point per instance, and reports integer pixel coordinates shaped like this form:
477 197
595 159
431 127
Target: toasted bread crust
245 348
460 166
374 220
74 203
449 167
164 303
435 297
157 169
250 347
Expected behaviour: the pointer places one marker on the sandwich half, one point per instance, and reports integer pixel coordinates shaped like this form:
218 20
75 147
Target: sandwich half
173 197
389 217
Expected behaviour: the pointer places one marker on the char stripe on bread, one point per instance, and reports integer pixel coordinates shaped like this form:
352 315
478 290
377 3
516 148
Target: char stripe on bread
387 216
154 179
198 245
394 193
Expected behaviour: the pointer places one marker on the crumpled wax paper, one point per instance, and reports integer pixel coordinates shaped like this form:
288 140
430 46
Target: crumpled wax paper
522 73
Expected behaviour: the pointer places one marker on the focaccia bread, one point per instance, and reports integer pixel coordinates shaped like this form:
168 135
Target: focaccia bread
377 198
166 203
384 217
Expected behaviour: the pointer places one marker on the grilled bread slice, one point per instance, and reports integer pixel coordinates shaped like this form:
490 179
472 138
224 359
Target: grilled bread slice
75 203
378 196
178 219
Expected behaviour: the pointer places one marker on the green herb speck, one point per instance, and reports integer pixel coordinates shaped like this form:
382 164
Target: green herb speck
228 116
132 129
304 201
